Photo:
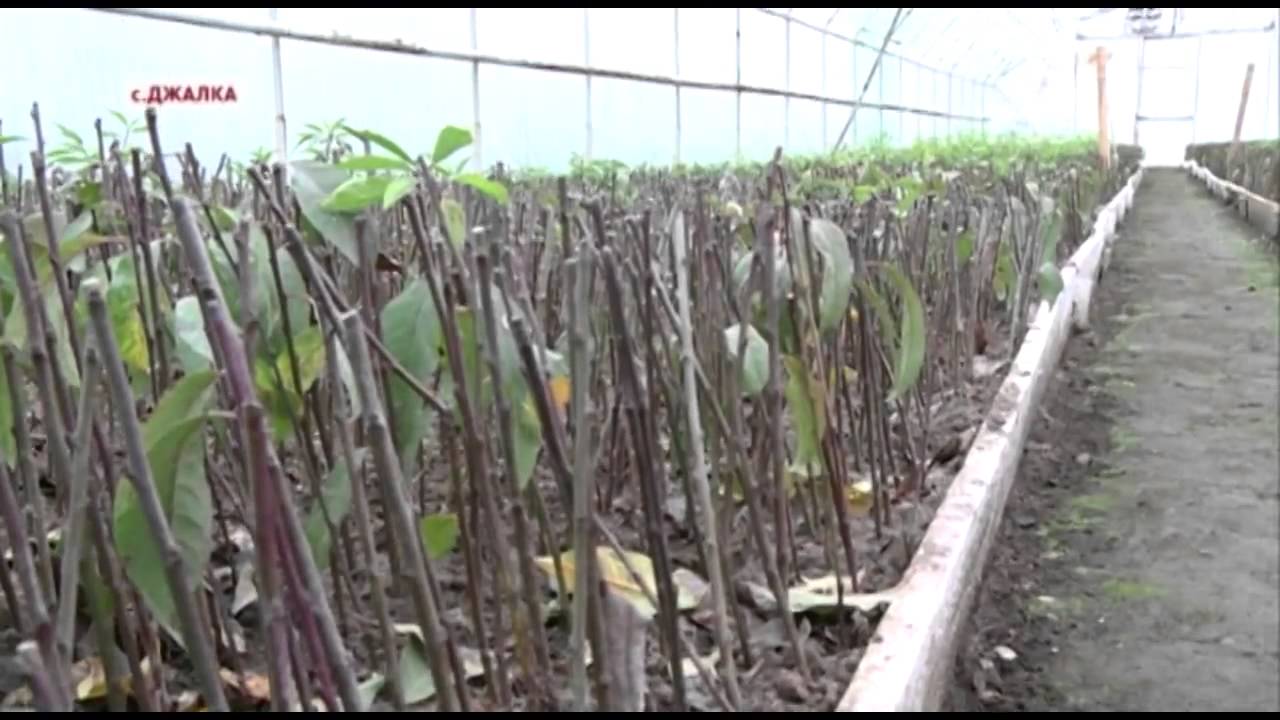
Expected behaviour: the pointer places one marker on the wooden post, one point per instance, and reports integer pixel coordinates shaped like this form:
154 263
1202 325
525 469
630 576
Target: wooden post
1099 58
1244 102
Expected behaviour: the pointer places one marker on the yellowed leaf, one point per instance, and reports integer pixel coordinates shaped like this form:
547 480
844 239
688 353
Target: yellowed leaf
252 685
859 495
91 679
614 572
22 697
189 701
559 391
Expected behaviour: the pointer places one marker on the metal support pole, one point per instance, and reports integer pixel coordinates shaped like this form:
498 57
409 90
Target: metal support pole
824 88
676 26
982 108
1075 92
902 117
737 64
786 102
880 78
1137 109
277 75
853 127
949 113
477 163
1195 111
1270 83
586 60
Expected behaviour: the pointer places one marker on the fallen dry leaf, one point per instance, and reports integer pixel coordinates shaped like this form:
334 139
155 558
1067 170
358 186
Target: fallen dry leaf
859 496
614 572
252 685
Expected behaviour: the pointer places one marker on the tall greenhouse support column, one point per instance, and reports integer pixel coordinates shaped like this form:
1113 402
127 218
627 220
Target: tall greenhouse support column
277 76
676 44
824 88
786 101
1137 112
586 61
737 81
902 117
950 82
1195 97
477 162
982 107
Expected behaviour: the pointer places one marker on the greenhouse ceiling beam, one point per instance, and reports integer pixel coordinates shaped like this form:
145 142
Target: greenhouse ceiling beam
856 42
897 18
403 48
1179 36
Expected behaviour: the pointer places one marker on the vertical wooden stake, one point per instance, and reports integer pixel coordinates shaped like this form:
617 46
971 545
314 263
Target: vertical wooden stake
1099 58
1244 102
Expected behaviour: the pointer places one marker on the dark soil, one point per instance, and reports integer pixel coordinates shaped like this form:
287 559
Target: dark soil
1138 564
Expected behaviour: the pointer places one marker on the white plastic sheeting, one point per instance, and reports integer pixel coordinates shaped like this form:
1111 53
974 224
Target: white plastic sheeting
945 71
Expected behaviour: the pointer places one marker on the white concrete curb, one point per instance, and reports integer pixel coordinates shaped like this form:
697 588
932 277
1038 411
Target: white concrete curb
908 664
1260 212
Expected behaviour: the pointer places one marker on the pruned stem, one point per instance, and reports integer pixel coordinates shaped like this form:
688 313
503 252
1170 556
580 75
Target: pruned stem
409 540
195 639
698 465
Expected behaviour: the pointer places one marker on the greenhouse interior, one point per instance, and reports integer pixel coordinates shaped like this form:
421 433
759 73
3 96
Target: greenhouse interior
640 359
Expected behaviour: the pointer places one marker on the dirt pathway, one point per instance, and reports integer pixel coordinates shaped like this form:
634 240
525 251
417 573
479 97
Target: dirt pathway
1138 567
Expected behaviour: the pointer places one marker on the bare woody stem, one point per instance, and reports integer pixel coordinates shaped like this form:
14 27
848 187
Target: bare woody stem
584 550
78 512
198 645
699 467
224 336
410 542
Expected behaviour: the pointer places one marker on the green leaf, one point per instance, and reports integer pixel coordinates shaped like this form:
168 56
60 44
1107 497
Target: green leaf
356 194
175 454
71 135
837 276
805 402
863 193
312 182
396 190
381 141
416 681
374 162
411 332
755 368
8 443
77 227
72 249
450 140
126 321
527 434
194 351
89 194
455 219
439 534
6 139
1050 282
1005 274
910 356
336 498
224 218
281 399
492 188
186 398
964 247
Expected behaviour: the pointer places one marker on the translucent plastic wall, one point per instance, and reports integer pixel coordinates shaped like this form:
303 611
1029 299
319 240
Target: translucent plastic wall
84 64
1165 94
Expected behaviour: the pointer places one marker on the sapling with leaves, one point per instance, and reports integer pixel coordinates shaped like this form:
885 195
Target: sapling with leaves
306 356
